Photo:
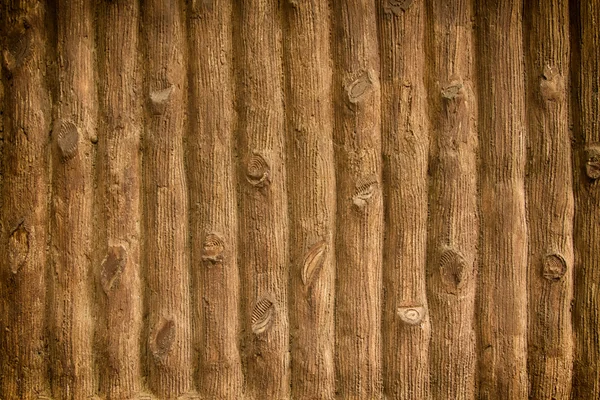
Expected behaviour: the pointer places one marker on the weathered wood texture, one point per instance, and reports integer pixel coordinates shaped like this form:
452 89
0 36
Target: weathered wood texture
71 324
117 257
549 198
263 206
24 218
357 141
165 211
453 214
211 169
312 202
586 236
502 285
405 133
282 199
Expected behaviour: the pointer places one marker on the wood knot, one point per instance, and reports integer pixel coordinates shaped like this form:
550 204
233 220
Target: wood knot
411 315
258 172
18 48
364 192
452 90
18 248
160 98
592 161
397 7
67 139
360 88
213 249
262 316
551 87
554 267
453 270
112 267
162 338
313 262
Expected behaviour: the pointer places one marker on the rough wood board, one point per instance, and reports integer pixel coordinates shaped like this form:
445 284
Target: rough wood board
282 199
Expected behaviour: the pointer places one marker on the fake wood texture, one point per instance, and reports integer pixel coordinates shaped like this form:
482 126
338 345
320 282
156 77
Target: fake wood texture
300 199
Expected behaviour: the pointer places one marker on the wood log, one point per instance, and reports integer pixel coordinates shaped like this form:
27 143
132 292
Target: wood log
501 303
357 144
312 202
453 212
118 205
72 219
212 183
25 195
262 202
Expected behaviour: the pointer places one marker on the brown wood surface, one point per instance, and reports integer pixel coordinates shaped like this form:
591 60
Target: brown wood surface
165 200
586 236
357 150
25 216
453 212
312 203
405 131
286 199
549 198
117 259
211 169
262 199
502 286
71 325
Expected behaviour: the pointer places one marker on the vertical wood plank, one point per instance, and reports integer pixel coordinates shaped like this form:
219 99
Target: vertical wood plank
586 117
2 162
71 321
263 220
310 166
406 323
549 200
453 219
3 118
24 218
357 141
169 355
120 307
430 244
502 290
213 200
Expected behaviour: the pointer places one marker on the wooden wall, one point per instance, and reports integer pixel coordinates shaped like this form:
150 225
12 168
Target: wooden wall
292 199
